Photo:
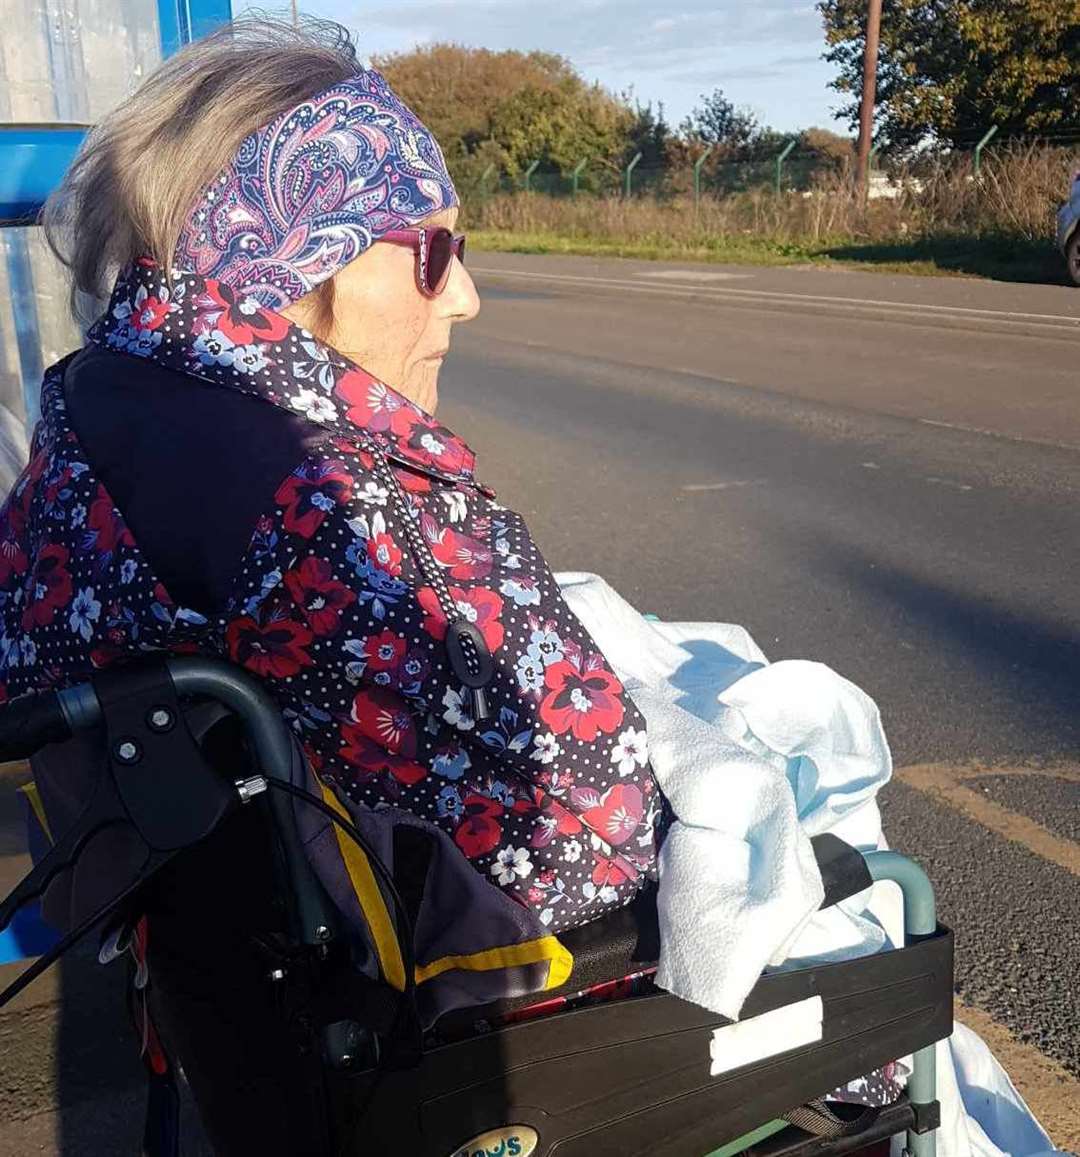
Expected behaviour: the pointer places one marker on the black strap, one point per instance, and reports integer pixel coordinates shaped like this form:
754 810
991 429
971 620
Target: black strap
816 1118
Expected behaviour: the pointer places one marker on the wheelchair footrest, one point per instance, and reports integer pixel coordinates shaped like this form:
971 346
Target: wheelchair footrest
793 1142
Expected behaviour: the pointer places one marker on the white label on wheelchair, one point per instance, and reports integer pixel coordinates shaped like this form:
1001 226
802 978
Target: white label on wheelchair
758 1037
511 1141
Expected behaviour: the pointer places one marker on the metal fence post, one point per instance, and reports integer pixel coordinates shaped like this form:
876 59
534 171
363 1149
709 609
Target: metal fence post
780 164
991 132
697 175
579 168
629 169
528 175
873 154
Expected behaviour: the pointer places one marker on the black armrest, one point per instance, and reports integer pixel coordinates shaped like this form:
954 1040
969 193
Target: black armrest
843 870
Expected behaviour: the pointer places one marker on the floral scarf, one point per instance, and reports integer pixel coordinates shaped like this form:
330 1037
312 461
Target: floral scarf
542 782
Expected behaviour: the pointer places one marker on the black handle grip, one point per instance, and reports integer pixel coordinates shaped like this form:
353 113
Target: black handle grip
843 870
29 722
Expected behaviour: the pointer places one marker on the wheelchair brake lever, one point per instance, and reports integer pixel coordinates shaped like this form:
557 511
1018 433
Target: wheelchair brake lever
154 781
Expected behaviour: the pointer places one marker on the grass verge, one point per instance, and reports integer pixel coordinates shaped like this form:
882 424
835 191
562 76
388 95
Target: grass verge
1003 260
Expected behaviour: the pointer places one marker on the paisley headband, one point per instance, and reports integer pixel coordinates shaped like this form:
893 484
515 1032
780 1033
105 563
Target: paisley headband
313 190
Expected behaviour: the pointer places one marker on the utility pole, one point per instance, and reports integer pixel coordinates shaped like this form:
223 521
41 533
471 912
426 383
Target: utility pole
869 93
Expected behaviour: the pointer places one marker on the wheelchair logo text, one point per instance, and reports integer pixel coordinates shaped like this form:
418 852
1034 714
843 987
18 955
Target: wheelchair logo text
513 1141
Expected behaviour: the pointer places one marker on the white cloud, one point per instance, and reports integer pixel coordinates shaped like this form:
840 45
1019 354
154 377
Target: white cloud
764 53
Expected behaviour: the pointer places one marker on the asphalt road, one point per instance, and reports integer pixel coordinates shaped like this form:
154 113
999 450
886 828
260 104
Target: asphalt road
877 472
880 473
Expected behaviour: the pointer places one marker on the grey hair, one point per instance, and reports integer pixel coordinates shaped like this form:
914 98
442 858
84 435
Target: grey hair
141 168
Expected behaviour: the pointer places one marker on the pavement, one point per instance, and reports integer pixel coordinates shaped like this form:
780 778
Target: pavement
879 472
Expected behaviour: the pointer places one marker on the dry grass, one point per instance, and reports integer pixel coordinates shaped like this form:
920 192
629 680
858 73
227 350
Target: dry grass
998 222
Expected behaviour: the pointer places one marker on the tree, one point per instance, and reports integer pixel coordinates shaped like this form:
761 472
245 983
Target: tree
649 134
559 127
948 69
828 145
717 122
510 108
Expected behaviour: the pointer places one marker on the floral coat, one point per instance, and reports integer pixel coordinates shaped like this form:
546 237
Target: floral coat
376 545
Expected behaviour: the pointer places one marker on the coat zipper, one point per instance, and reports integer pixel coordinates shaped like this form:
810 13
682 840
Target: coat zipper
470 658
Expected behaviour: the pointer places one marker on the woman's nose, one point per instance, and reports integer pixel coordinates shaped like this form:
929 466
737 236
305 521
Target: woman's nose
460 298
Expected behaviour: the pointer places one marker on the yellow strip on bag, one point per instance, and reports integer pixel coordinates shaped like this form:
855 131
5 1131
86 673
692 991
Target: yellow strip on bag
371 899
512 956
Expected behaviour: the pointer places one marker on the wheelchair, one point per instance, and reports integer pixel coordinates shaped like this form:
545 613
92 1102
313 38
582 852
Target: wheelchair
606 1064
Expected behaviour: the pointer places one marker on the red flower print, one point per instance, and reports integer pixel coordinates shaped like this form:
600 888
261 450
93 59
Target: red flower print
49 587
612 872
384 553
467 558
54 484
105 519
13 560
429 443
479 831
382 715
385 650
554 820
615 815
584 700
151 314
101 657
239 317
413 482
275 650
309 492
373 405
319 595
370 758
481 607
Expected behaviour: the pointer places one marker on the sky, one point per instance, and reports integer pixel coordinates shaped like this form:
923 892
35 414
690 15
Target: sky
764 54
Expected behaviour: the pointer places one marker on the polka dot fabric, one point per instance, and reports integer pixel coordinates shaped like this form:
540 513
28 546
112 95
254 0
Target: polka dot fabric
550 796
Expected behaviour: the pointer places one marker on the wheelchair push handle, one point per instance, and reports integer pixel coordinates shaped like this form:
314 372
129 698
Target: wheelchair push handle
30 722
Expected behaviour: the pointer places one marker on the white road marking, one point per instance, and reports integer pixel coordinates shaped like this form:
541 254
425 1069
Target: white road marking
998 434
1060 323
870 466
690 275
948 482
723 485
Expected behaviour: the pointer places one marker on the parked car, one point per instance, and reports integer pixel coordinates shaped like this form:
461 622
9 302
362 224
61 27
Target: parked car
1068 230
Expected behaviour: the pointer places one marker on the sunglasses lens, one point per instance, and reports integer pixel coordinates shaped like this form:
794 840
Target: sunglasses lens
440 254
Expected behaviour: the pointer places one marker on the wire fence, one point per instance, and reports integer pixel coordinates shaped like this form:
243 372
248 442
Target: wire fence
791 169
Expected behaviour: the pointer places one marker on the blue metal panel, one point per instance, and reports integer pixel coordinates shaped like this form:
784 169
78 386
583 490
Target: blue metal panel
34 158
182 21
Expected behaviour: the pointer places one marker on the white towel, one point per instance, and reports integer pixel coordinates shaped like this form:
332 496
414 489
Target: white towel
738 747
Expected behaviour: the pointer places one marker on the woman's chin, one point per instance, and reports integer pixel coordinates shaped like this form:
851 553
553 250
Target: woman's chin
423 386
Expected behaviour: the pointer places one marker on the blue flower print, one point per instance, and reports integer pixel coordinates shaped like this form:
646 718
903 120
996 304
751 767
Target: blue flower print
524 591
530 671
213 348
547 645
85 611
249 359
451 762
448 803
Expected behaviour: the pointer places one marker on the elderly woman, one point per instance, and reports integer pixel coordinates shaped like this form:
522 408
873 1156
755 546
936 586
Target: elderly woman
243 462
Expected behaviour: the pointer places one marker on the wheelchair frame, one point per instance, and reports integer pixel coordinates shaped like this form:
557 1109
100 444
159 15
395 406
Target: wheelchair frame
622 1035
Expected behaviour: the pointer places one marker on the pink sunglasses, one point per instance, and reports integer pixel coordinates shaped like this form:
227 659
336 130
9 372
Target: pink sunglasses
435 251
